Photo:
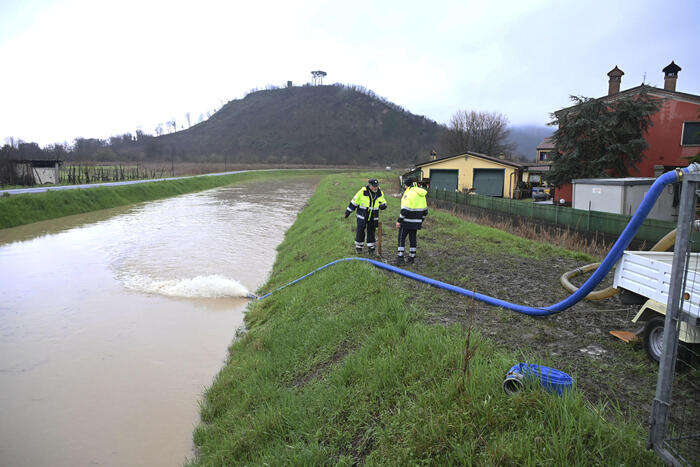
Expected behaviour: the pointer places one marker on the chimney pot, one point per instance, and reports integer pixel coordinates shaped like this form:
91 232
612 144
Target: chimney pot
670 76
615 79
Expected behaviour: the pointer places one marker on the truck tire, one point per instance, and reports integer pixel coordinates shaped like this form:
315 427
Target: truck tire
653 344
653 337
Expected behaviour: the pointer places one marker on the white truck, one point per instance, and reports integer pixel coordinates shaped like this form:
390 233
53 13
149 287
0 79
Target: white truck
648 273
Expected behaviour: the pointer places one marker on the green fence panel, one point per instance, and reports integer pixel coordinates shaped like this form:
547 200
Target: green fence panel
651 230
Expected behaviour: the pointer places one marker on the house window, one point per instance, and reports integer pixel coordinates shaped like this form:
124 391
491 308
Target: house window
544 155
691 134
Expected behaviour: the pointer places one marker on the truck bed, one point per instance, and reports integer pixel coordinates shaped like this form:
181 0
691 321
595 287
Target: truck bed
648 273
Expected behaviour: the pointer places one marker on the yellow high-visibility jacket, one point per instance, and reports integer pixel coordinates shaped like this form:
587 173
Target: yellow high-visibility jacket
414 208
367 203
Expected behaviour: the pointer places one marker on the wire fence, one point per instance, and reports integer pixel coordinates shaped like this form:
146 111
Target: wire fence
79 173
594 222
675 417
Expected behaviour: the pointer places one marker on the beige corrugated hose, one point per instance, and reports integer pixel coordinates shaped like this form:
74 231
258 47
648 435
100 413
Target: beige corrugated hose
662 245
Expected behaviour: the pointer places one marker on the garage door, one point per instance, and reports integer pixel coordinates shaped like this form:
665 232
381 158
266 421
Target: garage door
489 182
442 179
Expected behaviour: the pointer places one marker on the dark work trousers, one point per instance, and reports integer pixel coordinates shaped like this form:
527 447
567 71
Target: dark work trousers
412 238
360 234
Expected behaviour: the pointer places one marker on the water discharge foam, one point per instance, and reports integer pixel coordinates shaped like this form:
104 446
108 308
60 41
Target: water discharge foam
210 286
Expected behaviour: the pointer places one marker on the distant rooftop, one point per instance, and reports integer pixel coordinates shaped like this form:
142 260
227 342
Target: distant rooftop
546 143
474 154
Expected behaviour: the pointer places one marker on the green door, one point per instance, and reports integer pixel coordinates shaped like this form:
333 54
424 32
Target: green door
441 179
489 182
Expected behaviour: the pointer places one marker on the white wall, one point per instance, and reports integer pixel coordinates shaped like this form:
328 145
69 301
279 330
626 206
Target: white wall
623 199
604 198
43 175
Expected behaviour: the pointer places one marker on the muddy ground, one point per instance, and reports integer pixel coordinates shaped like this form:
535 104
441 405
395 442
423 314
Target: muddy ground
578 341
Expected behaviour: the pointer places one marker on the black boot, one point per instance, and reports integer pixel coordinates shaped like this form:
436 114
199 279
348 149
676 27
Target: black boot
399 260
371 251
410 259
358 250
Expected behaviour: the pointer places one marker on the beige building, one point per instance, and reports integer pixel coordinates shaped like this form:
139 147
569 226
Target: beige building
471 171
535 173
37 171
545 151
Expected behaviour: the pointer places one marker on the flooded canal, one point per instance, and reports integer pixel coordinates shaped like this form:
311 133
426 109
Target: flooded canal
113 323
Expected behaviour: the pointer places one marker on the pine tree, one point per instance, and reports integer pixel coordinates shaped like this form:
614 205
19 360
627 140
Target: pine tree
596 138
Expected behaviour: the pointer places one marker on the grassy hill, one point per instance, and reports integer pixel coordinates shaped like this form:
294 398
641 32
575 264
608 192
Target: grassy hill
322 125
334 124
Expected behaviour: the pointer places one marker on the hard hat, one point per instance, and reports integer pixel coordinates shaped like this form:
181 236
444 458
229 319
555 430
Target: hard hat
373 182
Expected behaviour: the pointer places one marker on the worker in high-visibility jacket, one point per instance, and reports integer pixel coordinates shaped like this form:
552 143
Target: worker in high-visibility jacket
414 208
368 202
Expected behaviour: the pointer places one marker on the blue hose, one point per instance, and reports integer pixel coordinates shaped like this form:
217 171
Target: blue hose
554 381
610 260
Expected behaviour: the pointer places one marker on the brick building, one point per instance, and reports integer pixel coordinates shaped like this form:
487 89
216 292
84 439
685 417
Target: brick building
675 132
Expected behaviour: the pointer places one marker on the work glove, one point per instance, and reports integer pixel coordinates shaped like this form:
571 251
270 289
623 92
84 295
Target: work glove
347 213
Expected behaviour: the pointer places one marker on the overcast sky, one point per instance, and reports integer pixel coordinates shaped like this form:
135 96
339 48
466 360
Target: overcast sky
95 68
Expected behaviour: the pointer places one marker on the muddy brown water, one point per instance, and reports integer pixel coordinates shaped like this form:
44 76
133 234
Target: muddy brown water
113 323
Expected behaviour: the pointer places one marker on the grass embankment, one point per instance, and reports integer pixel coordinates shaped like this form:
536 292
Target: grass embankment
27 208
344 367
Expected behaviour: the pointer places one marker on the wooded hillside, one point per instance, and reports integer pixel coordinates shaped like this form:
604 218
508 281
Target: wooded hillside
334 124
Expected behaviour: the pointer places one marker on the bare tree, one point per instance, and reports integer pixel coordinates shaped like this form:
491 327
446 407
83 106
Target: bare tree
483 132
172 124
201 118
159 129
187 116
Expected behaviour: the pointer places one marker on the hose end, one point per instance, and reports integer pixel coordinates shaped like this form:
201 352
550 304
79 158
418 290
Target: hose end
513 383
692 168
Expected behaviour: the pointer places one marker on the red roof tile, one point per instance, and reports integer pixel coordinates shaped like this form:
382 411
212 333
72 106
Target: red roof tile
546 143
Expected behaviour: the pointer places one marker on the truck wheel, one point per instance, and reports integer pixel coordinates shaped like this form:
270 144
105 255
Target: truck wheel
654 338
654 345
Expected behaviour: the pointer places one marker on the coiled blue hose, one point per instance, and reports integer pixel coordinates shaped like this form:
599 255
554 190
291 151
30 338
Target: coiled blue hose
610 260
554 381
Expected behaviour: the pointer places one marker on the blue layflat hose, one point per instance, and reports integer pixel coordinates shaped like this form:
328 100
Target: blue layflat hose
554 381
610 260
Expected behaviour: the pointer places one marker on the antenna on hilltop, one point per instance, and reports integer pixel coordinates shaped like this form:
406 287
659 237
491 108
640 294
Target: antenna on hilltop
317 77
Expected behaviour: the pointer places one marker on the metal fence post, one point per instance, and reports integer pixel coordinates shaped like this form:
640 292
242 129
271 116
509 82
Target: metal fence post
588 225
661 404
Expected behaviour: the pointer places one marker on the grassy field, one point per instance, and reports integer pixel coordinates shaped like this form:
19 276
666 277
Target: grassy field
27 208
349 366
